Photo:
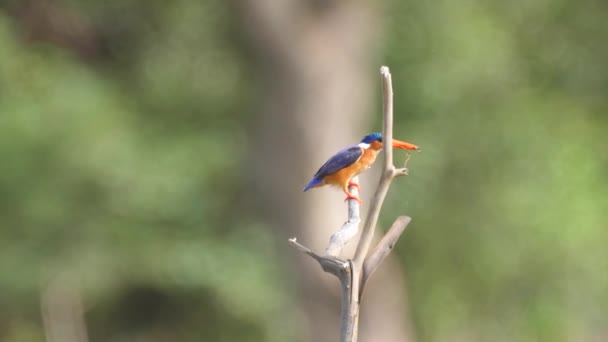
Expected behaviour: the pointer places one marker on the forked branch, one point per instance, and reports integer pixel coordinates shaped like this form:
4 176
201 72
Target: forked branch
354 274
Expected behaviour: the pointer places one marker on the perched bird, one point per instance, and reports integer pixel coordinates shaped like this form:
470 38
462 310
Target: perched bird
351 161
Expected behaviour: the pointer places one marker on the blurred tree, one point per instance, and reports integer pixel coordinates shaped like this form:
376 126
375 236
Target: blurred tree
57 23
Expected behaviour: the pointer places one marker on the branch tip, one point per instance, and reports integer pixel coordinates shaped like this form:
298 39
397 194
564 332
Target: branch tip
385 71
401 172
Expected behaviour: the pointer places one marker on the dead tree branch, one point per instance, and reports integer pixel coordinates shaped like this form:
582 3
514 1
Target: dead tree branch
384 247
350 228
354 273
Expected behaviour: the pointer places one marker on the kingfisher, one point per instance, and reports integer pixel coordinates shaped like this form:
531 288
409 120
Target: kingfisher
351 161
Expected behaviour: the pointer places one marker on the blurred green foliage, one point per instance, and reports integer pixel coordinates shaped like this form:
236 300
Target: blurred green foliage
508 101
126 175
125 172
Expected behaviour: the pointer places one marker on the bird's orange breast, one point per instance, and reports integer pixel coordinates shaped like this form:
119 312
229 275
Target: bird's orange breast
342 177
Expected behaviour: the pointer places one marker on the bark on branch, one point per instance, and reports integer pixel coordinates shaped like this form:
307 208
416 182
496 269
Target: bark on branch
350 228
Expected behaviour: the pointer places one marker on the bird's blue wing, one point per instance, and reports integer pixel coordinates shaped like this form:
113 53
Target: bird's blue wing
340 160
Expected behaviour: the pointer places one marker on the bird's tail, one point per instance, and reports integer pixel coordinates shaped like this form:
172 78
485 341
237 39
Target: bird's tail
314 182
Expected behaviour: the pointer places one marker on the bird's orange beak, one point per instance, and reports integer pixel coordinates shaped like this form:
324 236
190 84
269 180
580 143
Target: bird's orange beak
404 145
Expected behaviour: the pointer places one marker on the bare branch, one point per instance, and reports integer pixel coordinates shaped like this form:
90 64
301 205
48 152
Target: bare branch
384 247
354 274
350 228
387 173
294 242
401 172
349 331
387 116
329 264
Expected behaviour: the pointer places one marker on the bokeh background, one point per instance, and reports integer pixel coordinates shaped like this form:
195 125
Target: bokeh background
152 155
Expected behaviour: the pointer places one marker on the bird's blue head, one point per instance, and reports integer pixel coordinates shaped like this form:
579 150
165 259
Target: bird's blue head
368 139
374 141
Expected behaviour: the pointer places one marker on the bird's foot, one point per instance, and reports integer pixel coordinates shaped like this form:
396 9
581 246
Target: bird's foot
356 185
351 196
